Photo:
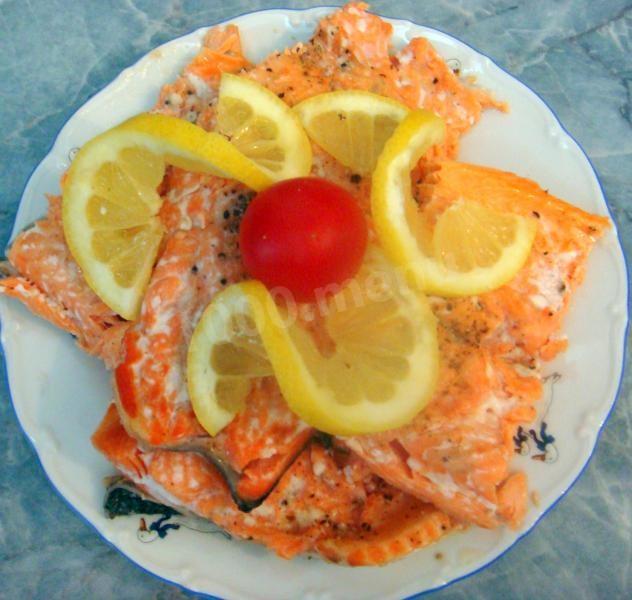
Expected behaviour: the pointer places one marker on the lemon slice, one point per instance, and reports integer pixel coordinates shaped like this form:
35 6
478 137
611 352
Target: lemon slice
263 128
471 249
352 125
226 354
110 202
377 370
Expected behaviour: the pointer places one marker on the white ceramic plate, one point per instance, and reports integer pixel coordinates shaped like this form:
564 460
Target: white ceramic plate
60 394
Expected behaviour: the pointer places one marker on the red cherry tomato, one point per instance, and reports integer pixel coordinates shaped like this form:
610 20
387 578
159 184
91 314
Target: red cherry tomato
303 235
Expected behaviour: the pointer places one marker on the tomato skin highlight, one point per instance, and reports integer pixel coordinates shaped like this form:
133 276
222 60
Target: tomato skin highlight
304 235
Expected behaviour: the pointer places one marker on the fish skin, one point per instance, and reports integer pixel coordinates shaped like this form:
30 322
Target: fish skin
327 501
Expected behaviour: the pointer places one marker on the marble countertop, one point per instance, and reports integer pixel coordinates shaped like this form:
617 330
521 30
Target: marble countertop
54 54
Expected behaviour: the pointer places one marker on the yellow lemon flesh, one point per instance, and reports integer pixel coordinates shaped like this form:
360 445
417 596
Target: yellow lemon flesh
377 370
263 128
471 249
352 125
110 202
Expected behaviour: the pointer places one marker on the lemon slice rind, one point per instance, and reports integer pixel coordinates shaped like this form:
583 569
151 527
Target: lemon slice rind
291 136
308 397
342 105
396 217
177 142
190 147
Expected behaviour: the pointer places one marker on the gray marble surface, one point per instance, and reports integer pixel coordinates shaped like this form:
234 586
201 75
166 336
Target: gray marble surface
576 54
